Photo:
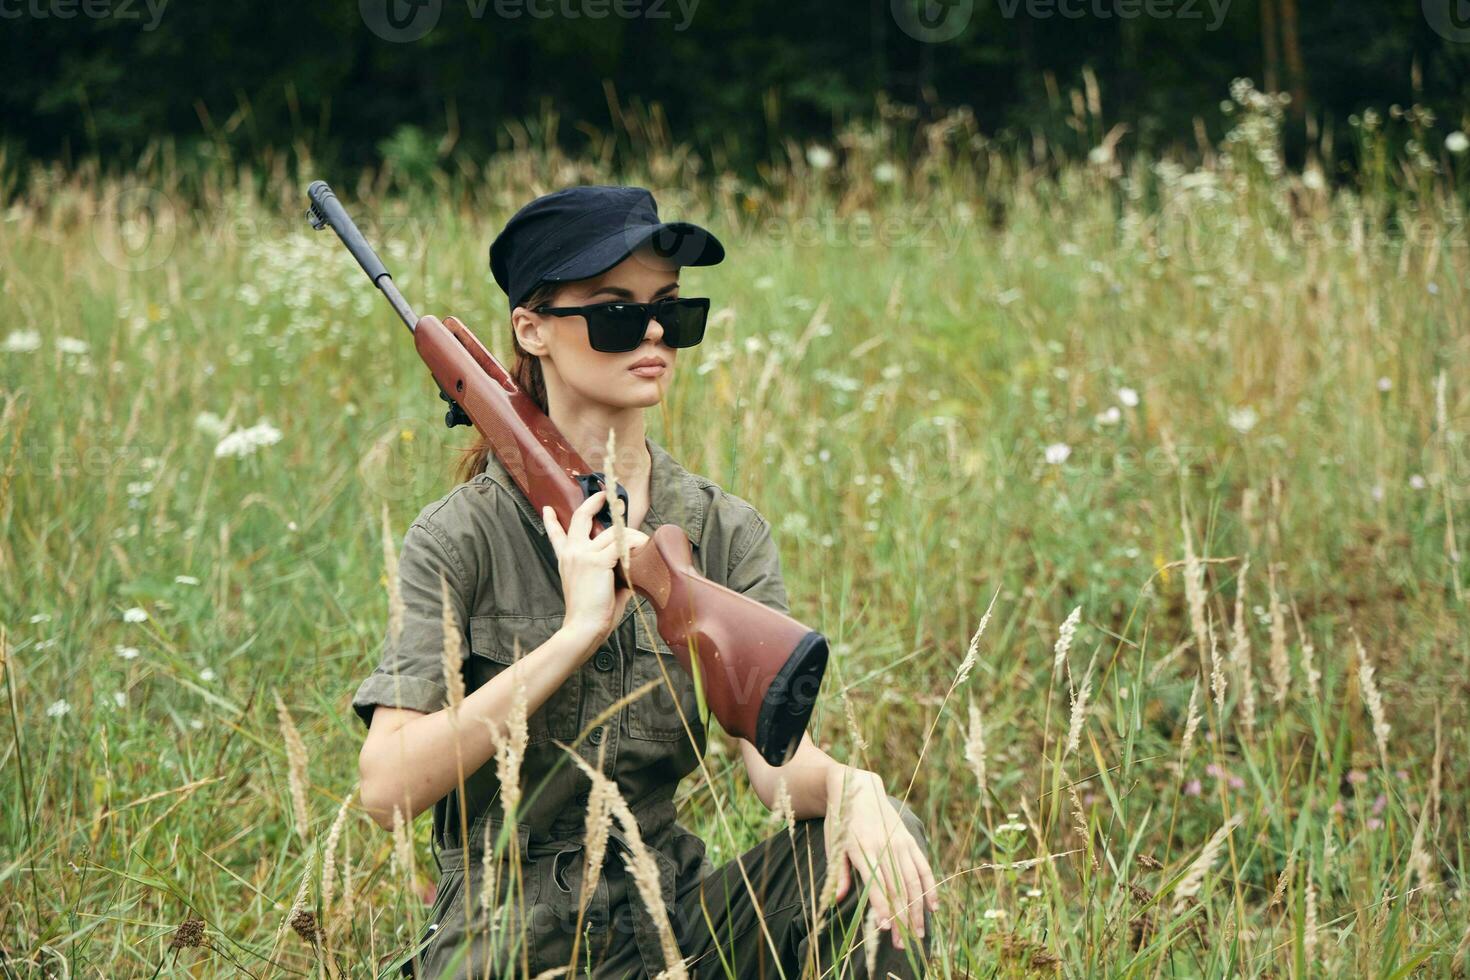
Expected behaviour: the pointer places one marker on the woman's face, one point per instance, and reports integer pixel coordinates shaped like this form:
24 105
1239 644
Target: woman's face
574 372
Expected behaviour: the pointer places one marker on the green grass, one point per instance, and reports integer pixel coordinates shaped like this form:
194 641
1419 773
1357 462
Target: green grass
887 400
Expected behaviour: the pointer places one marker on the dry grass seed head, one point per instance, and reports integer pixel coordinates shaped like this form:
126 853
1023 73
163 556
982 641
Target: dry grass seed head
614 502
1194 876
1191 721
643 869
1373 699
975 750
1309 656
452 654
1279 663
329 855
510 744
1218 681
860 743
840 829
972 653
402 847
190 933
1079 708
489 872
1065 635
296 763
1194 587
1281 881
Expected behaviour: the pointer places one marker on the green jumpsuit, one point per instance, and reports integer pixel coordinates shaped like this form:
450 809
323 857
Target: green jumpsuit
491 546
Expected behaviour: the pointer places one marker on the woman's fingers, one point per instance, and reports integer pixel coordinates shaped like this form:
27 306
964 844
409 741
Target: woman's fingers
553 529
882 894
581 523
880 889
926 873
605 537
913 892
893 890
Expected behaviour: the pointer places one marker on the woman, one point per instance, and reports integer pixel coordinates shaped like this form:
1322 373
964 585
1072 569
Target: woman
536 605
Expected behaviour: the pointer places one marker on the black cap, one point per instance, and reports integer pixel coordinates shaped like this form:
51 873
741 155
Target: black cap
582 231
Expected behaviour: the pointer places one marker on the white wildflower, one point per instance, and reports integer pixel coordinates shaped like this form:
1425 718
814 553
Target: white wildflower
1417 482
1128 397
186 580
72 345
1057 453
22 341
1109 416
210 424
135 615
885 173
57 708
127 653
243 442
1243 419
819 157
1457 142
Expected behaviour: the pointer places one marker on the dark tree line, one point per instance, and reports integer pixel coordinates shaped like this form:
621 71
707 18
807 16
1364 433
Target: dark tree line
734 77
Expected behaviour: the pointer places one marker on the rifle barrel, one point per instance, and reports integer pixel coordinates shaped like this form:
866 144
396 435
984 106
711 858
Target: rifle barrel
327 212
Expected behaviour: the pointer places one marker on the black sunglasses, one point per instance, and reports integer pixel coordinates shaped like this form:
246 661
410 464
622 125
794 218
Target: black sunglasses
616 328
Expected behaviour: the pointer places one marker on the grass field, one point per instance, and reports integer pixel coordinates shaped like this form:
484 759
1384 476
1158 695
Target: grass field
1219 413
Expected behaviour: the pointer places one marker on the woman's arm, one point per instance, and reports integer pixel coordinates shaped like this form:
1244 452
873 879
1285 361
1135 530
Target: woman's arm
812 777
411 759
408 758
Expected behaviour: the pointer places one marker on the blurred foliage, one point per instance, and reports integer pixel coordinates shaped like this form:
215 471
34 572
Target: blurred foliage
734 80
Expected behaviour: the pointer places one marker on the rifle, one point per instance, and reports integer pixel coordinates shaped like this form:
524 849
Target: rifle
760 669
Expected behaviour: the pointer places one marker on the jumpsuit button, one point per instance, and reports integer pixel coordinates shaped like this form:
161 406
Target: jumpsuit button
595 736
603 661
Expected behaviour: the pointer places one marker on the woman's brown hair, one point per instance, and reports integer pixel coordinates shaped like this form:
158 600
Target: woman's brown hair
526 372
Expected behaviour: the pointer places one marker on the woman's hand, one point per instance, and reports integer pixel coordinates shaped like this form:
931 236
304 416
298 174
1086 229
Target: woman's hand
586 564
878 841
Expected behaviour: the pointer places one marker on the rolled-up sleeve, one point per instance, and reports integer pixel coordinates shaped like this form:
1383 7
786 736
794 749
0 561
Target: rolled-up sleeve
410 671
755 567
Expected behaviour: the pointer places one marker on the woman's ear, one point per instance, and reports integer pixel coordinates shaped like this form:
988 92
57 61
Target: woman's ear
528 327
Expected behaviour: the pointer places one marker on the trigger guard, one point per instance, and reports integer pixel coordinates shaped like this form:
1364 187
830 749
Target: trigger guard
595 481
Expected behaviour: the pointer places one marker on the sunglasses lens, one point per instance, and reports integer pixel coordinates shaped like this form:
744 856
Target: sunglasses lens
683 321
616 327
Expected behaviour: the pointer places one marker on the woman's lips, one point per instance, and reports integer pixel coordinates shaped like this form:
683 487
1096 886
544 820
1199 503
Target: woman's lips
648 370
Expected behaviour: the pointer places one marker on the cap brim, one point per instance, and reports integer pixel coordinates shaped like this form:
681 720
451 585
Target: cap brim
680 242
